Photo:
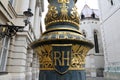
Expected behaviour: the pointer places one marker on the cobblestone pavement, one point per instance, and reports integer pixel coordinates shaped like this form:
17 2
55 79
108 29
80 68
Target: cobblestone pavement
96 78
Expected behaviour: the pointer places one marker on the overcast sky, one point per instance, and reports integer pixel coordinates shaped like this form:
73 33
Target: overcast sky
80 4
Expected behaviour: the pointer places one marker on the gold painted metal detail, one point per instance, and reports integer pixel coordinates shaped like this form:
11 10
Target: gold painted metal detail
44 53
53 29
58 21
64 12
61 44
73 56
65 35
52 14
63 1
75 15
77 57
53 17
79 54
3 29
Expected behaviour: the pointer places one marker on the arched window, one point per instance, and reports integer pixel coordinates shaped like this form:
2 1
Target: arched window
93 15
84 34
82 16
111 2
96 42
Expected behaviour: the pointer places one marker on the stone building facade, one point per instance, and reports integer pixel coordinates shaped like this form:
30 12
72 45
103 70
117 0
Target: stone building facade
110 25
90 27
17 59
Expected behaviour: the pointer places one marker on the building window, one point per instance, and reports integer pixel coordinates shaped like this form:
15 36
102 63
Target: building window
12 2
93 15
4 53
82 16
96 42
111 1
84 34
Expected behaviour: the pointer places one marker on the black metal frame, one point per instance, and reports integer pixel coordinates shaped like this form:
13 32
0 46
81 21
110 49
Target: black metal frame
10 30
27 13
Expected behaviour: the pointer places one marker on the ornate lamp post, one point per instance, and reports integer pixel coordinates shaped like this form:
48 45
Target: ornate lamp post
27 15
62 48
10 30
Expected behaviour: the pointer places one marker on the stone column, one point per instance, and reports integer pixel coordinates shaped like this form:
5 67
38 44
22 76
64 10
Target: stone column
93 68
37 22
29 65
37 67
34 67
17 58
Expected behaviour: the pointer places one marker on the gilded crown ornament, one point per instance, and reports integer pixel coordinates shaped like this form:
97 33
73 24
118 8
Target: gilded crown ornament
62 48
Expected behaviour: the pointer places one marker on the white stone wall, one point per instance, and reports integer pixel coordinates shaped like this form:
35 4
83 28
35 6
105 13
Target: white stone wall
110 16
5 77
29 64
17 58
89 26
22 62
93 60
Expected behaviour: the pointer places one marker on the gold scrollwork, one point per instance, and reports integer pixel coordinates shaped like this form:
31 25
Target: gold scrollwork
64 12
76 62
77 57
63 1
46 61
52 13
44 53
53 16
75 15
